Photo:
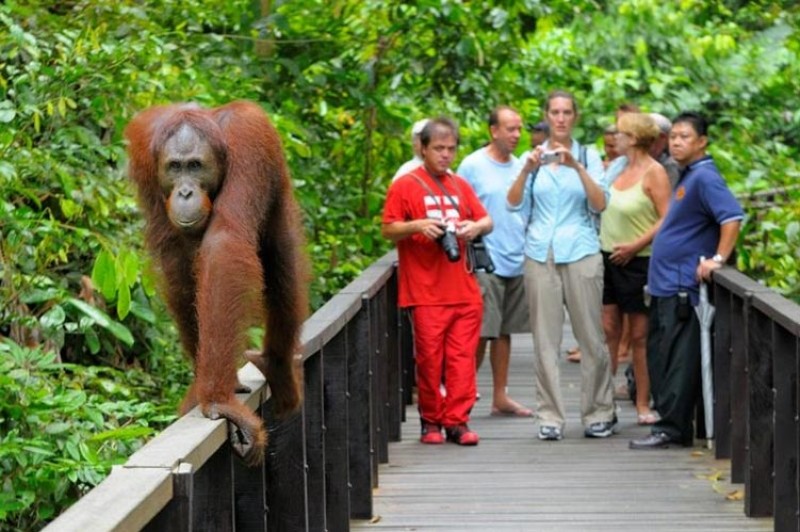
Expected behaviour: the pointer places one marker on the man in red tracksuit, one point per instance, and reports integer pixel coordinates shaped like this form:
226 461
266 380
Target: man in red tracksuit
431 213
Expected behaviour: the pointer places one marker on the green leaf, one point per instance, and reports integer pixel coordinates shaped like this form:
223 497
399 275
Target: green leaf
69 208
129 267
123 433
92 340
7 111
7 170
121 332
58 427
104 275
54 317
123 301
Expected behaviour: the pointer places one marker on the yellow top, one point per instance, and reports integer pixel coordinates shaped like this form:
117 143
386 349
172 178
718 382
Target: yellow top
630 213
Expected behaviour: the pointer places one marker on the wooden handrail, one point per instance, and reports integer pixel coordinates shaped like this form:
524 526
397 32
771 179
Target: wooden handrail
324 459
756 411
322 464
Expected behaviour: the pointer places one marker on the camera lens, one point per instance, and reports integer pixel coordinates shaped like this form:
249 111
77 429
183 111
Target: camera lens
450 243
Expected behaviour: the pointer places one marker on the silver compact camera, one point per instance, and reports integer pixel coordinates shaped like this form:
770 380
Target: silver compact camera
550 157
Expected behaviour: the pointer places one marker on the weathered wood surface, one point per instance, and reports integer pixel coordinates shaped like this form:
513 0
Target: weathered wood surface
513 481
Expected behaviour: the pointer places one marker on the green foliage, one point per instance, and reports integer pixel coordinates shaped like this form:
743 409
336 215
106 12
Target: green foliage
343 81
62 427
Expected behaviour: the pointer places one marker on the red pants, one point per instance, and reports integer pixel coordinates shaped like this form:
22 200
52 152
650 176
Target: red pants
445 340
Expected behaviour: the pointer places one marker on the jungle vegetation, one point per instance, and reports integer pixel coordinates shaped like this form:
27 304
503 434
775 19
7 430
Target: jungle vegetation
89 361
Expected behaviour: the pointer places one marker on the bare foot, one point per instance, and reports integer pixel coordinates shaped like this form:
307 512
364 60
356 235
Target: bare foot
574 355
647 417
509 407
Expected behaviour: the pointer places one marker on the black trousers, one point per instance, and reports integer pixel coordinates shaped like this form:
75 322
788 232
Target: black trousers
673 362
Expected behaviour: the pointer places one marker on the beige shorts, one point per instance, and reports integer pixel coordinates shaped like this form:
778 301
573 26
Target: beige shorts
505 307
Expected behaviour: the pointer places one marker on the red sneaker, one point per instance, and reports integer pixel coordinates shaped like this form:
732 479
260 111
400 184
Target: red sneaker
462 435
431 434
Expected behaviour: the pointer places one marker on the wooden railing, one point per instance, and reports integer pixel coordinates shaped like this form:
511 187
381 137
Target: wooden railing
321 464
757 408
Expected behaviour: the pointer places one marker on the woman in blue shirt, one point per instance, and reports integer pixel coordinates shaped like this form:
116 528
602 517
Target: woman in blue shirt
559 189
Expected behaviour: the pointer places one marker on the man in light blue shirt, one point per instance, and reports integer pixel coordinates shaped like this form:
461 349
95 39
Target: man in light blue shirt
491 170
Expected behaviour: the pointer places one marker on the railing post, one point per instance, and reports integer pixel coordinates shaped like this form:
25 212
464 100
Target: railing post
363 476
379 377
739 386
395 362
285 475
314 419
249 492
177 515
787 353
213 492
722 372
337 440
758 469
407 355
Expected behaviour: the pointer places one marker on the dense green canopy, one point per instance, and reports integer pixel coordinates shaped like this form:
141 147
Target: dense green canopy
343 81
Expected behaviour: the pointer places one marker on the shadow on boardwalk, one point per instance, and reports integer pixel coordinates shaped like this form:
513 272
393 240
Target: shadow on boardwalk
513 481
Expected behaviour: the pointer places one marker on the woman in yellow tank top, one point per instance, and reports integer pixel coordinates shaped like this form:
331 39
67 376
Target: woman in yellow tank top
638 203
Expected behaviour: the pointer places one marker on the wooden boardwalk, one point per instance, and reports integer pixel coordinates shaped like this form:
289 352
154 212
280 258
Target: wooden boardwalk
513 481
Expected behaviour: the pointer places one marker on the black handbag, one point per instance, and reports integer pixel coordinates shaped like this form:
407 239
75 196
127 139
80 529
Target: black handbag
478 257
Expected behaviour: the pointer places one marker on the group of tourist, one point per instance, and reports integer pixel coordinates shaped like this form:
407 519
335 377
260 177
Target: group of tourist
617 242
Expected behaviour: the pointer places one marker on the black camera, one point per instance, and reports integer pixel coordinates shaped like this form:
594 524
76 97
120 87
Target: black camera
449 242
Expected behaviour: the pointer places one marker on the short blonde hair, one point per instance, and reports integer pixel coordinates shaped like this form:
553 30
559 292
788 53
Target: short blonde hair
641 127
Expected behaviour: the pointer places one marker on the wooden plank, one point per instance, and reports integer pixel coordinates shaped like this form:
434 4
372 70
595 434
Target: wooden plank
380 446
381 372
314 410
738 283
758 460
213 492
285 474
371 280
738 386
328 321
115 505
178 514
786 429
779 309
722 372
359 420
249 495
337 460
407 353
194 438
513 481
395 404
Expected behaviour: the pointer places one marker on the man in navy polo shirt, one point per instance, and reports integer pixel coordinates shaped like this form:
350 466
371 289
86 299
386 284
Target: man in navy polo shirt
703 221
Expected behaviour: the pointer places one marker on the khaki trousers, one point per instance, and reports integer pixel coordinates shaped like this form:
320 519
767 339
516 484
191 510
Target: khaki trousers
579 286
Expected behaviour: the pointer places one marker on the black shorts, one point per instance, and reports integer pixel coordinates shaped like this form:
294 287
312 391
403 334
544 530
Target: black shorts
624 285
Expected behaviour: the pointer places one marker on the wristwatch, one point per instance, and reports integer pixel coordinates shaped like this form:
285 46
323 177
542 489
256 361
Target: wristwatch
718 259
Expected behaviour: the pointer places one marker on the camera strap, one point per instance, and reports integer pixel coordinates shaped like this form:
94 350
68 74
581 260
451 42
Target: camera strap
444 191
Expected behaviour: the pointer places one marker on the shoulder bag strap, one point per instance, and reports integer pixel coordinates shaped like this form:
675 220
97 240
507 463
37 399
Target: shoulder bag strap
530 187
